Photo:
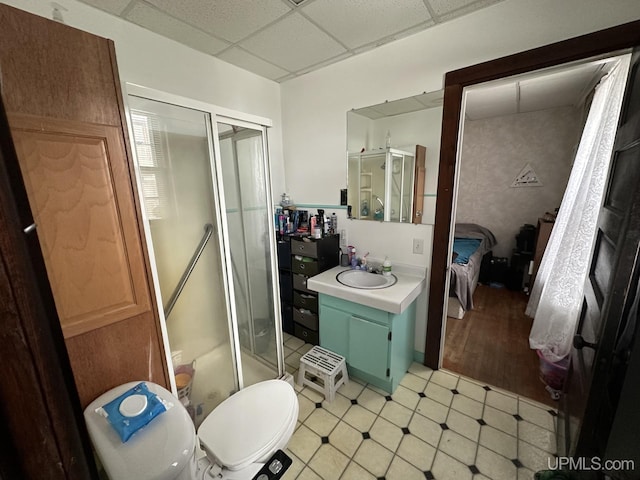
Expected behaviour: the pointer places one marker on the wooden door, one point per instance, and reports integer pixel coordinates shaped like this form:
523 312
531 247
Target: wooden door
61 92
591 396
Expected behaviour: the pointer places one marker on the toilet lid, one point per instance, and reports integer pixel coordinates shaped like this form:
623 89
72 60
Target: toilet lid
159 451
247 424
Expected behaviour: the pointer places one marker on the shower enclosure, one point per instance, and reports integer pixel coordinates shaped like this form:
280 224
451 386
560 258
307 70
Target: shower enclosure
203 176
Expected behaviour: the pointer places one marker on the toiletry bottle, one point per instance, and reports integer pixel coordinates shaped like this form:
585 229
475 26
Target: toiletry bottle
334 223
354 259
386 266
364 211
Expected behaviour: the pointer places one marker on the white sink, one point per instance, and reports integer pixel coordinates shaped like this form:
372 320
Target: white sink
366 280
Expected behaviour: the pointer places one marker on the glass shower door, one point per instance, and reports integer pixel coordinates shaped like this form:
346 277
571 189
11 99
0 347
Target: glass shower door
248 214
175 169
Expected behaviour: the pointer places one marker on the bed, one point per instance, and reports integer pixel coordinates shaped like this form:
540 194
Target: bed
471 243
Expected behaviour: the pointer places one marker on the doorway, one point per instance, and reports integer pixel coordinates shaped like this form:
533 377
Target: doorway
604 42
519 138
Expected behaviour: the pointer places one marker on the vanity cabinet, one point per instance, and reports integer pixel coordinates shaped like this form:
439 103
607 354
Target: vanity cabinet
300 258
377 345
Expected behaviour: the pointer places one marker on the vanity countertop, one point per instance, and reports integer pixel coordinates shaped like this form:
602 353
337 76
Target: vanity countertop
393 299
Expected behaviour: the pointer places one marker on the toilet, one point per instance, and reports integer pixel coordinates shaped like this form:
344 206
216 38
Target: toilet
237 437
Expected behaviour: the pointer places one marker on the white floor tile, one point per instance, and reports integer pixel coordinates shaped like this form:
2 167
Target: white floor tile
433 410
499 442
420 370
438 393
502 402
294 343
467 406
396 413
537 436
418 453
402 470
448 468
471 390
458 447
425 429
524 474
495 466
293 359
345 438
373 457
535 414
351 390
312 394
308 474
321 422
356 472
328 462
338 406
386 433
413 382
304 443
445 379
533 458
500 420
296 467
463 424
405 397
359 418
305 407
371 400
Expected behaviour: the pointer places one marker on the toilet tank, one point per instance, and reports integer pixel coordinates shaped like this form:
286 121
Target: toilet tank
164 449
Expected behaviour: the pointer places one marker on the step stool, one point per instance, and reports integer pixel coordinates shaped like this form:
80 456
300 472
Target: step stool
328 368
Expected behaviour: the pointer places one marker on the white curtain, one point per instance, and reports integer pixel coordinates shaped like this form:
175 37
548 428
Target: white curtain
556 297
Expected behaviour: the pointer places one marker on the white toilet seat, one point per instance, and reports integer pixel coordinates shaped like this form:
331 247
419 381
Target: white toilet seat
250 424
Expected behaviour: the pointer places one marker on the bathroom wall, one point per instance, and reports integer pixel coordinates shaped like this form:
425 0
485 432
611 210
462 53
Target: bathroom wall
153 61
494 151
314 106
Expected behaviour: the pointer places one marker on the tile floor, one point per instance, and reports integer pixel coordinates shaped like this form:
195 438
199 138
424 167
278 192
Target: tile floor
436 425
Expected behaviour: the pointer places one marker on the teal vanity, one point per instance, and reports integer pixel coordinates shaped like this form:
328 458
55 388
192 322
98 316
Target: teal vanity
372 328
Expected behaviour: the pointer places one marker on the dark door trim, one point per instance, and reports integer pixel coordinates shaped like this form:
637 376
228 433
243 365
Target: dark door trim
586 46
40 410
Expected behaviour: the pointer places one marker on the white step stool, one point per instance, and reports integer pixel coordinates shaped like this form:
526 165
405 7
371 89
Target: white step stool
329 368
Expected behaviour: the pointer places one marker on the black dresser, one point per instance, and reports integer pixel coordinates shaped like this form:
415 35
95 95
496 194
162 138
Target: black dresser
301 257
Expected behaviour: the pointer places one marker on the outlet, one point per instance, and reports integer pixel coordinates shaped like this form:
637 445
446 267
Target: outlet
418 246
343 238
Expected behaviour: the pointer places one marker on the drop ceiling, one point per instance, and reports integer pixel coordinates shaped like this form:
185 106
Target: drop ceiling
282 39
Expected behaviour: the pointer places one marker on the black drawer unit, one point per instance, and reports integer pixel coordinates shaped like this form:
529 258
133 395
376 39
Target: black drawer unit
307 257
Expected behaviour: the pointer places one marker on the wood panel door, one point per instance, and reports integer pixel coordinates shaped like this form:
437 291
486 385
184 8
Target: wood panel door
61 90
79 190
591 394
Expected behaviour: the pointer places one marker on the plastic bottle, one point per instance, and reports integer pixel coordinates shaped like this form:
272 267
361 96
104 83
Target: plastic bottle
354 259
386 266
334 223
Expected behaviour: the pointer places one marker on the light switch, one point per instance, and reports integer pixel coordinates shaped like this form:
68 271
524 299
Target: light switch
418 246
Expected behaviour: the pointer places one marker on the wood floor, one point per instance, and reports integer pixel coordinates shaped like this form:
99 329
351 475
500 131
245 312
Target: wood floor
491 344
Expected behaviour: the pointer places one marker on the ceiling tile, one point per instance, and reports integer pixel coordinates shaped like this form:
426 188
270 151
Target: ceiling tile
293 43
358 22
245 60
465 9
231 20
163 24
112 6
443 7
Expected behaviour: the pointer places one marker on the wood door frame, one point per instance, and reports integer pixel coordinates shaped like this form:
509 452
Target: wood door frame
579 48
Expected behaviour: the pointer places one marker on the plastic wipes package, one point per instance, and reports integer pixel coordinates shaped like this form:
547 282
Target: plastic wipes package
132 410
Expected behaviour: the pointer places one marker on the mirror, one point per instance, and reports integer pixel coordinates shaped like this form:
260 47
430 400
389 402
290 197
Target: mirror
392 162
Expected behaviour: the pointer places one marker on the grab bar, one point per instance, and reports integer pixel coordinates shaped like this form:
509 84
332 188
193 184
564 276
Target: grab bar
208 231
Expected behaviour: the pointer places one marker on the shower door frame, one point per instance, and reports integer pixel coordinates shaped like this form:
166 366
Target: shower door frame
213 115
